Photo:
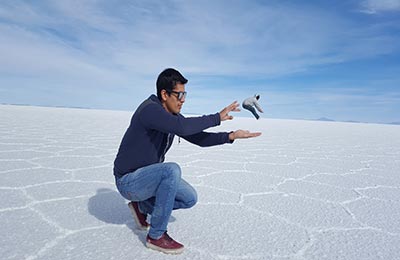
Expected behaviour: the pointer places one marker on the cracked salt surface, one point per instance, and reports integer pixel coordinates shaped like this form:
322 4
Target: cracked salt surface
303 190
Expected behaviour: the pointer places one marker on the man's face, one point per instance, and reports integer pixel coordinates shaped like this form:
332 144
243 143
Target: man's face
171 101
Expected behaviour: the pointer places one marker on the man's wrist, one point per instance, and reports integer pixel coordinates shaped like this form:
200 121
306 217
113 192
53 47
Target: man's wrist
231 136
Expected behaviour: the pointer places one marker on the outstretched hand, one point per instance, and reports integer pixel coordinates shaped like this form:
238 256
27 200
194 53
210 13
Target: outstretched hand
241 134
224 114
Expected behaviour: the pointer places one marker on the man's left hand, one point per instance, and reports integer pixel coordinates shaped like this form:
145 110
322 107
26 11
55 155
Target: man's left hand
242 134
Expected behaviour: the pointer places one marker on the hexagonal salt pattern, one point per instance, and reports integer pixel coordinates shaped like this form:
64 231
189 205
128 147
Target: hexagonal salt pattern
303 190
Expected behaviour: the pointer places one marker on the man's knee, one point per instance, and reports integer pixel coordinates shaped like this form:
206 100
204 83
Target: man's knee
192 202
173 170
191 199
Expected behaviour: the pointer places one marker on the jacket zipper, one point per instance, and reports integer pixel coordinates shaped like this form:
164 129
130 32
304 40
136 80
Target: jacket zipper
165 149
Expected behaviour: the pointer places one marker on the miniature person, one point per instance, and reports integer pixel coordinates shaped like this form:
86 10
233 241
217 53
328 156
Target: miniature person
250 103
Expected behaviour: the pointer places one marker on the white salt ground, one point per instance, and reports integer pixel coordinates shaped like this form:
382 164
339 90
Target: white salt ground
303 190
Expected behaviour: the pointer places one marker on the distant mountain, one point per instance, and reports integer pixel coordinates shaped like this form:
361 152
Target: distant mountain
332 120
394 123
325 119
352 121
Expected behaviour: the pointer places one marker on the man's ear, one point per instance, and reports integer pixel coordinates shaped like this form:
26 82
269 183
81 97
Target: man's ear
164 94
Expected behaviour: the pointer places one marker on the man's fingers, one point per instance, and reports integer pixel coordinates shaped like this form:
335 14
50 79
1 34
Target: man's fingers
254 134
234 106
247 134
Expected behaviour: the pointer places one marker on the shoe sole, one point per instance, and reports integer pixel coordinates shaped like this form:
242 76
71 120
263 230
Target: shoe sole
164 250
135 217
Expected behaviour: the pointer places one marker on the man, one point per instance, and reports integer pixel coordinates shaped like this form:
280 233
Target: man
250 103
156 188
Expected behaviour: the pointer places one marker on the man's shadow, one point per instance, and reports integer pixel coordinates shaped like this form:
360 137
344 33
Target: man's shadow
110 207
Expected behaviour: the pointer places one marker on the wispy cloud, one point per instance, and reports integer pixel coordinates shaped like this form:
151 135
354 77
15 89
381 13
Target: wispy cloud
203 38
376 6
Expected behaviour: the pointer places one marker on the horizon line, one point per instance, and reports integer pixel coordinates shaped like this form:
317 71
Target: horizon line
321 119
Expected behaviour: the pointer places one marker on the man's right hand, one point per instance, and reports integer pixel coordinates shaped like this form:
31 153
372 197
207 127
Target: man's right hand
224 114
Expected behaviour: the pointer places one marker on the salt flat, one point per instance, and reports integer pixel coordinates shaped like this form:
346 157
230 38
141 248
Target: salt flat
303 190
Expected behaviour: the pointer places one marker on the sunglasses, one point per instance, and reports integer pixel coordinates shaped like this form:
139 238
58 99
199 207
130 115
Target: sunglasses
179 94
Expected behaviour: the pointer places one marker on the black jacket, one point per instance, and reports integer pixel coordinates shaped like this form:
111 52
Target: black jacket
152 130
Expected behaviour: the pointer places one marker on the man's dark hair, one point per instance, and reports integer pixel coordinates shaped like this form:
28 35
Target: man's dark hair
168 79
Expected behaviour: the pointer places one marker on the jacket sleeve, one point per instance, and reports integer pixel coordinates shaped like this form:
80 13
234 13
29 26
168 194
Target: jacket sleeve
204 139
156 117
257 106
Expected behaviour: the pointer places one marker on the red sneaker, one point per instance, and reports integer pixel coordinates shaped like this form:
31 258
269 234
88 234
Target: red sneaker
139 217
164 244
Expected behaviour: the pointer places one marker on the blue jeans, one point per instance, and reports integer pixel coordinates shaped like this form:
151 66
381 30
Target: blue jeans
252 110
158 189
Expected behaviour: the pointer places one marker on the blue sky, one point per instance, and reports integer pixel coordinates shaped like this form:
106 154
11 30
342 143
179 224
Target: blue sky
307 59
